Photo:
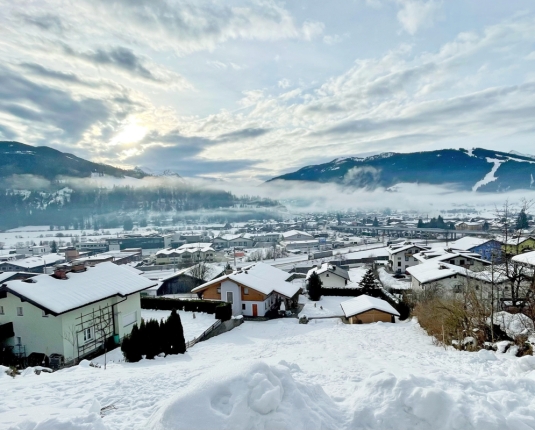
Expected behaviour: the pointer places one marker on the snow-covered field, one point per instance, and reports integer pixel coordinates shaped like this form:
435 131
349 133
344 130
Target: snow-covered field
284 375
389 281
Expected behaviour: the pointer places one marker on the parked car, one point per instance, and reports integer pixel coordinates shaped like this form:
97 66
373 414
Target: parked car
398 275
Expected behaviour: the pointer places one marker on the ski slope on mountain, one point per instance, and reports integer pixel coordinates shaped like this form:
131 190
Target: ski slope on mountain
284 375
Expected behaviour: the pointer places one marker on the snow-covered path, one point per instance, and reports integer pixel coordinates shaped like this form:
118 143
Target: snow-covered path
280 374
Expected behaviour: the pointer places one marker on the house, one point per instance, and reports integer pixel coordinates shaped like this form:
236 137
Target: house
464 259
233 240
186 254
518 245
488 249
181 281
36 264
526 259
331 276
452 278
472 226
365 310
10 276
401 256
117 257
252 290
301 245
296 235
72 312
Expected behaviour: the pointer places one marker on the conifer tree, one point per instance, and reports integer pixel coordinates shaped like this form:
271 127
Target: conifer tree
367 283
314 287
175 334
522 221
131 346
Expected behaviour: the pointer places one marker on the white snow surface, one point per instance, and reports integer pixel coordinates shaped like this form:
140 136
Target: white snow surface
489 177
284 375
389 281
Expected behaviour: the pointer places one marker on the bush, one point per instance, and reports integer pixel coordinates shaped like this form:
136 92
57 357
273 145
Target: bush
314 287
223 311
168 304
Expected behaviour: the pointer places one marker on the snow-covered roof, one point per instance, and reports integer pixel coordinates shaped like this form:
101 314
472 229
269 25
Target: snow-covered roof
327 267
195 245
527 258
395 249
365 303
436 270
261 277
468 242
445 255
180 251
295 233
8 275
58 296
38 261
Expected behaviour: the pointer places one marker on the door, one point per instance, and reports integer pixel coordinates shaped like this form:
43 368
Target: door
255 310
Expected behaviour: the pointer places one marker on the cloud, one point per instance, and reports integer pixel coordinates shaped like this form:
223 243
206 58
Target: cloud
415 14
246 133
125 60
37 69
284 83
47 21
312 29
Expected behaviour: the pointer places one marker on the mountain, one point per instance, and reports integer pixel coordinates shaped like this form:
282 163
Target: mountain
476 170
20 159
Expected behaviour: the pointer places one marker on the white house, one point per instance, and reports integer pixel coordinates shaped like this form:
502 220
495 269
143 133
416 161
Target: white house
331 276
401 256
451 278
253 290
71 313
189 253
35 264
233 240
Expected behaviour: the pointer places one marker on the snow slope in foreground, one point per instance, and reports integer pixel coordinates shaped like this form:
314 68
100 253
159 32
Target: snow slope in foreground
283 375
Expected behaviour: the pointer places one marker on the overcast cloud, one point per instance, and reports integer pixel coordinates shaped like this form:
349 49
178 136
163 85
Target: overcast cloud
252 89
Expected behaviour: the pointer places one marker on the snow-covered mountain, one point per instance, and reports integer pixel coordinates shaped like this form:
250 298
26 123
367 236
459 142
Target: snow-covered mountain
476 169
20 159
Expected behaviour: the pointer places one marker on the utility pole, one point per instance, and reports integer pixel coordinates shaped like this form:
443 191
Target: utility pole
234 252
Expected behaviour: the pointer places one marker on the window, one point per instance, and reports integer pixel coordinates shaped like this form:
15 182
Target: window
88 334
219 290
19 340
461 262
1 310
406 258
19 311
45 314
399 263
327 275
230 297
246 291
243 307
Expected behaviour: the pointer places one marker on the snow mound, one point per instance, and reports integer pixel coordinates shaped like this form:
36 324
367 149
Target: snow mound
257 396
51 418
384 401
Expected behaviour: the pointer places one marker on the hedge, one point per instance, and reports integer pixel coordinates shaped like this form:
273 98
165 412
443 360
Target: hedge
168 304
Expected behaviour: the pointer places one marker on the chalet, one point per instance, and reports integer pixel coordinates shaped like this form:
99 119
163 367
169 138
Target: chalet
72 312
253 290
518 245
473 226
365 309
331 276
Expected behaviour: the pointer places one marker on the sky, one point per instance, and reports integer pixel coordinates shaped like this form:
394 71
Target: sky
248 90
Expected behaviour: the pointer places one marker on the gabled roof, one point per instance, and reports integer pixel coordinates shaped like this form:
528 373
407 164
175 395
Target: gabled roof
57 296
295 232
365 303
326 267
260 277
37 261
527 258
468 242
436 270
394 249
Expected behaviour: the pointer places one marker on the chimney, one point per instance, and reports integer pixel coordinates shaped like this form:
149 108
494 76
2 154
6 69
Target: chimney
60 272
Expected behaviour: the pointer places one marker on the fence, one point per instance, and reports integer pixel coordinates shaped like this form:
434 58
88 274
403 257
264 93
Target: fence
210 329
